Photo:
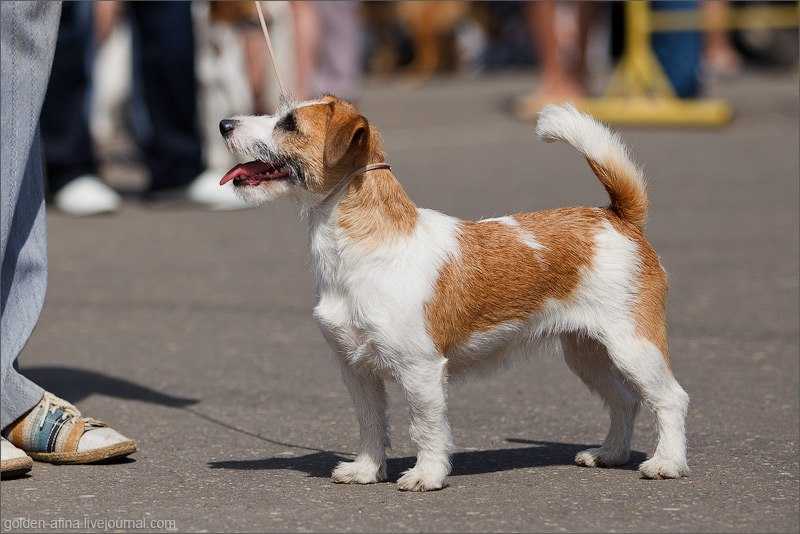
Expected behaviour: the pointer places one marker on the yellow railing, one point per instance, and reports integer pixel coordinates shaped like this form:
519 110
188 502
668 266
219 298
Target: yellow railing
640 92
740 18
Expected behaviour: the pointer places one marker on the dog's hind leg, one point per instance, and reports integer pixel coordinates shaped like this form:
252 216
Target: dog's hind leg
424 385
369 397
647 370
589 360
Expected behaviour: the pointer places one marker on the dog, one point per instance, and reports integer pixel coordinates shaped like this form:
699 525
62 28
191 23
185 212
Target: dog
416 296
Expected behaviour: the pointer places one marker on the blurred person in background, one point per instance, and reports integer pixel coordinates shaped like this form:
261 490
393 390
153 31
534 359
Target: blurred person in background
165 110
71 165
680 53
241 19
720 56
563 54
232 71
34 422
327 49
562 80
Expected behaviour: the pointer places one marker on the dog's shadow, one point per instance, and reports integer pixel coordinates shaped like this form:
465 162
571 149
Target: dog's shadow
539 454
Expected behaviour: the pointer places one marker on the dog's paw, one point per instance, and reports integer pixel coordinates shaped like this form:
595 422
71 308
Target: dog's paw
601 457
658 468
423 478
359 471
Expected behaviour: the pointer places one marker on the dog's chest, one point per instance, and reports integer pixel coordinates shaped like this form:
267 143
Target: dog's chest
341 310
372 299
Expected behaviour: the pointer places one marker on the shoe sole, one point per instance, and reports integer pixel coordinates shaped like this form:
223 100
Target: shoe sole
97 455
15 467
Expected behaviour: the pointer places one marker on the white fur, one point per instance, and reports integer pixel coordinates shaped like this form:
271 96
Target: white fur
371 310
589 137
526 237
249 131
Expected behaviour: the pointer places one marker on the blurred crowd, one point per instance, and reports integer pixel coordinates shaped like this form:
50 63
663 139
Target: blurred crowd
164 73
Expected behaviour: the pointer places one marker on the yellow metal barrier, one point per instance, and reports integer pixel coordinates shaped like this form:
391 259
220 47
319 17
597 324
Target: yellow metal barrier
640 93
742 18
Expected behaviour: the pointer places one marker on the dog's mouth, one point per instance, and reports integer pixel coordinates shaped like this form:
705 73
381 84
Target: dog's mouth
255 173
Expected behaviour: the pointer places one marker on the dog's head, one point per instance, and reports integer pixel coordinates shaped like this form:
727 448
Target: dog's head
305 149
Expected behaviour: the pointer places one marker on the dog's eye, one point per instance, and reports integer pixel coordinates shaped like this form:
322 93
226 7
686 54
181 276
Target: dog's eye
287 123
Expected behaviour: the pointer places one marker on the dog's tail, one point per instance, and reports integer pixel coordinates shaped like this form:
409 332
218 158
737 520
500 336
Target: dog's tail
607 156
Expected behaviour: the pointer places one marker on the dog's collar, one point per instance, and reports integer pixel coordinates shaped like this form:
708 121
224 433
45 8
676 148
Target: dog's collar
346 180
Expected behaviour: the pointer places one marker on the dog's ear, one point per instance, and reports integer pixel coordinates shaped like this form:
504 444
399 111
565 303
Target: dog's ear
348 131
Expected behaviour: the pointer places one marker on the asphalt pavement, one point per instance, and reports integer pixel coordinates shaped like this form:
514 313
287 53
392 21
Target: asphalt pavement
191 331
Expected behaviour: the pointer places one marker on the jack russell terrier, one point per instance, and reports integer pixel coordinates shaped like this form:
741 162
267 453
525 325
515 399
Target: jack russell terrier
415 296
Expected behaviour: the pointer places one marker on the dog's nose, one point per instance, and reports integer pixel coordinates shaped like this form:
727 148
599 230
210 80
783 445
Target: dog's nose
226 126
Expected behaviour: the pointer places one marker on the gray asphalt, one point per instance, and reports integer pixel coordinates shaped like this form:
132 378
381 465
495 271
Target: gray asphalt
191 331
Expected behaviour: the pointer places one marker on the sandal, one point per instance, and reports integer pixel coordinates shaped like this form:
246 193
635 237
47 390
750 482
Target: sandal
13 461
54 431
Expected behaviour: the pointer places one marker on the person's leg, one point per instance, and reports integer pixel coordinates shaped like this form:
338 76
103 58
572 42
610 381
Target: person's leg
28 37
71 168
339 54
164 38
720 55
68 149
557 83
39 423
587 12
24 274
306 32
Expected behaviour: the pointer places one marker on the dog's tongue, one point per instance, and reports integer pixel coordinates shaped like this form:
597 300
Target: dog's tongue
253 169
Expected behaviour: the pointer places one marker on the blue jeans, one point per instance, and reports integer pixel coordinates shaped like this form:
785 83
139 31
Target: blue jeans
28 34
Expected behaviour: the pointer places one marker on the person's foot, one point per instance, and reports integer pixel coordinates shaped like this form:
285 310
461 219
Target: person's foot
86 195
723 62
13 461
54 431
204 191
552 92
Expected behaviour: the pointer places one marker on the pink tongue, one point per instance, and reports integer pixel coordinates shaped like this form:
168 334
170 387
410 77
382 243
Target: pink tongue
253 168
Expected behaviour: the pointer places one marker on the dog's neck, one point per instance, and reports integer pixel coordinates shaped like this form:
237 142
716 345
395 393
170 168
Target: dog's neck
370 209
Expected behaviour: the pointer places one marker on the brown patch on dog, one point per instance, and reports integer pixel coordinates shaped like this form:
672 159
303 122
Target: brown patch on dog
376 208
498 278
332 139
650 306
307 143
628 196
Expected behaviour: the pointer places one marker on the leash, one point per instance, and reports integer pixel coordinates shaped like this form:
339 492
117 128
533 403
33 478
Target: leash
346 180
271 51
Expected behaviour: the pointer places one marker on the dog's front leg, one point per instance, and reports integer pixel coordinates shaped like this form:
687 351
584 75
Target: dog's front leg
369 397
424 385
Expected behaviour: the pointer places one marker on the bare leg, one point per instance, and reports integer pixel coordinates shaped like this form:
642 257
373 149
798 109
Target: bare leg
306 37
586 12
721 57
557 83
255 54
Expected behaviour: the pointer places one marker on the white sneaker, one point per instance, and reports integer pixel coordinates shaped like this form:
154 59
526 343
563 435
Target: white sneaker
206 190
86 195
13 461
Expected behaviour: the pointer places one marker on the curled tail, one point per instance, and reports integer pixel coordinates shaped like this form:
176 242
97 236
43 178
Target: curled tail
607 156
